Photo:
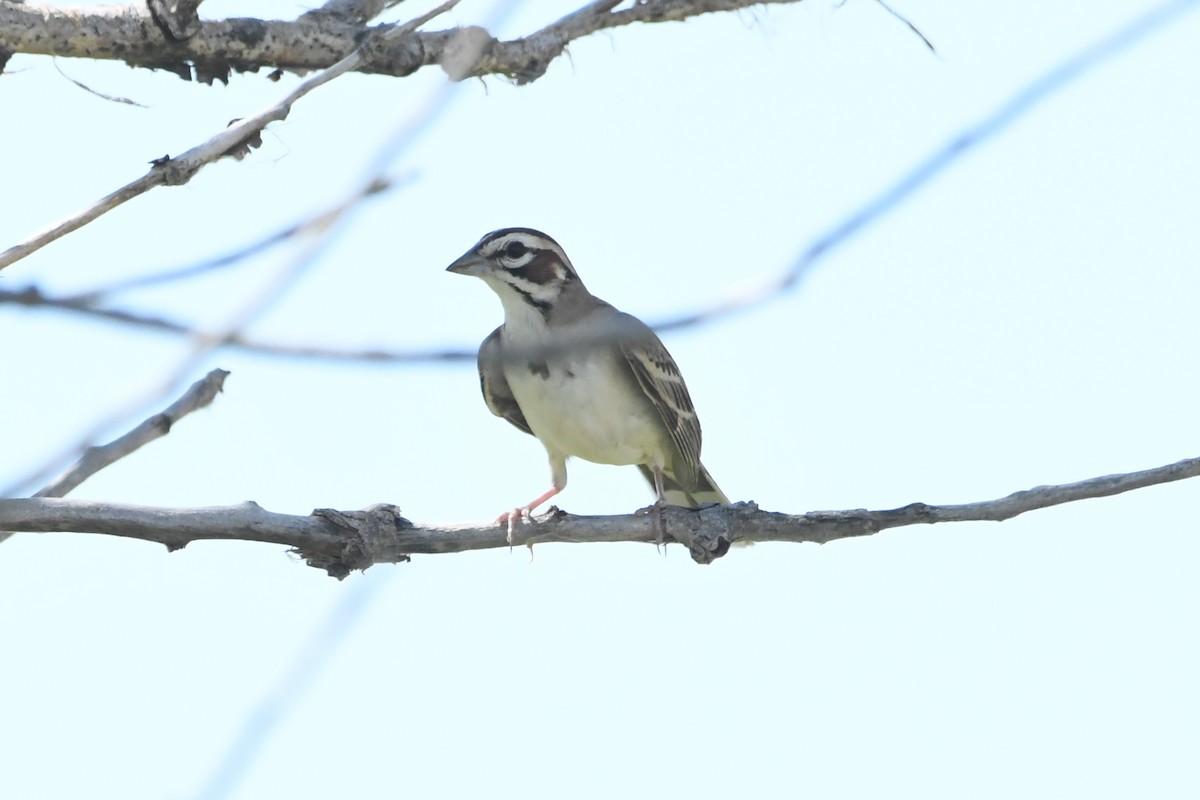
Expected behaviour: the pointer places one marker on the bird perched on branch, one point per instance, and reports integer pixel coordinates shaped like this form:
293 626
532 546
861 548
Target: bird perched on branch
584 378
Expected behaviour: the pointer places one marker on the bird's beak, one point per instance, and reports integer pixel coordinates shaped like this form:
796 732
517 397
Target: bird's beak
469 263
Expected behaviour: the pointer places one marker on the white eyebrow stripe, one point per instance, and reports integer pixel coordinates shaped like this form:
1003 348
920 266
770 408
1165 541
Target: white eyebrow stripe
531 240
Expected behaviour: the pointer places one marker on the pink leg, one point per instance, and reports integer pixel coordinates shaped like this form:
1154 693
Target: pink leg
523 512
552 491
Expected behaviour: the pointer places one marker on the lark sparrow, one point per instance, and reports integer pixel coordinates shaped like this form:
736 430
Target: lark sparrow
584 378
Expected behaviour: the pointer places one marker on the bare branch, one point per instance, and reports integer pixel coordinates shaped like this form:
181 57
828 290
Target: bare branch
875 209
342 541
219 47
319 232
231 141
199 395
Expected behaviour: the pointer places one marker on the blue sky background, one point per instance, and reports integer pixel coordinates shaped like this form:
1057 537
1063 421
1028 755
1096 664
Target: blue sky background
1028 317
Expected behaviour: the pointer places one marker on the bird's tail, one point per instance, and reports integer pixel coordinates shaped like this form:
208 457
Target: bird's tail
703 492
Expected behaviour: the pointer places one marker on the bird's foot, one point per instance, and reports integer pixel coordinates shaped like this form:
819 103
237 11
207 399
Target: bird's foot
512 517
525 512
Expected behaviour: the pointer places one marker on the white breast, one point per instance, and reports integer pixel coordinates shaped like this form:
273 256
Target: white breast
581 407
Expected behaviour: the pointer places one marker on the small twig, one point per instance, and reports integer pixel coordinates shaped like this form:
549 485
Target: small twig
199 395
911 27
81 300
343 541
90 90
33 297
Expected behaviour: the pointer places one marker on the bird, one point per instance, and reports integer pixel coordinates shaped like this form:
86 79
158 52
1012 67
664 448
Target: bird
585 379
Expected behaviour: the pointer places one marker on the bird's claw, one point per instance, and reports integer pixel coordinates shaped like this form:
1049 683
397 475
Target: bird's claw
658 519
511 518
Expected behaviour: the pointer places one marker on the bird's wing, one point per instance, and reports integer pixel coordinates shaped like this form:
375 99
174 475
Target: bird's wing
659 377
496 392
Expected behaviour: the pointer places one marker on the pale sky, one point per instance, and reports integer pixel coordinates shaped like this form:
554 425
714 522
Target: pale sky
1028 317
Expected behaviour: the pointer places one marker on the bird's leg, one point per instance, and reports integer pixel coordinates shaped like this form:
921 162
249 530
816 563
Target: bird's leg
558 472
660 526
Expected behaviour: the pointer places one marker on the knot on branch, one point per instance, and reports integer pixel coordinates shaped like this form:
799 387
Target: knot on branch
384 52
367 534
177 19
464 51
525 60
707 533
173 172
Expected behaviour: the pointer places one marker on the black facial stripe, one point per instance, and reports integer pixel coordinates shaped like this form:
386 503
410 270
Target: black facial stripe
542 306
526 289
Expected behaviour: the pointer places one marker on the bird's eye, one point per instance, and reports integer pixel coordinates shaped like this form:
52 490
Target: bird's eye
515 250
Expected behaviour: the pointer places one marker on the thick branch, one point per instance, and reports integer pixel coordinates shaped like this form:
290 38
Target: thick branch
342 541
211 49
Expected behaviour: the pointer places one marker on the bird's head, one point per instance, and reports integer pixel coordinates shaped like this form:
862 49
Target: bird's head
525 267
